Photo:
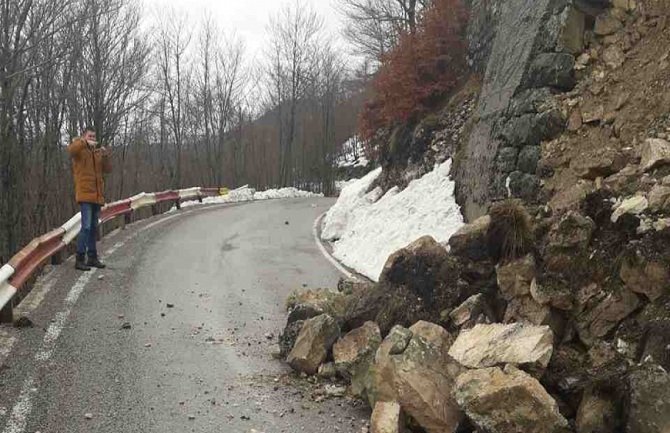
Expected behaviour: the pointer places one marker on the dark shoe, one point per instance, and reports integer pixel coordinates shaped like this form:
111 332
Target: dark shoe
80 263
95 263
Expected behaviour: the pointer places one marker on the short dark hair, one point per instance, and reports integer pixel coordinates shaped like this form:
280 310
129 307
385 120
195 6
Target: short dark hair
89 129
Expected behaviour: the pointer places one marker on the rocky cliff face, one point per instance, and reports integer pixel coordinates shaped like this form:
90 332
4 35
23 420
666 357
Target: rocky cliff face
525 48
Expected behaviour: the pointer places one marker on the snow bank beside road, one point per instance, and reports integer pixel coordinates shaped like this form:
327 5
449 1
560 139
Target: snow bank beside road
366 229
353 197
245 194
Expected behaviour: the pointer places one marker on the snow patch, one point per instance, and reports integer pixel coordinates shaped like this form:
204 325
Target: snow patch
354 195
246 194
366 227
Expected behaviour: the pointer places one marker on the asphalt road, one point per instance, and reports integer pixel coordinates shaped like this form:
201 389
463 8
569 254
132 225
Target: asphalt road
203 293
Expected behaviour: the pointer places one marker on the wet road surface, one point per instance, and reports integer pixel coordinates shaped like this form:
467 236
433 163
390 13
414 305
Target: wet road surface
177 335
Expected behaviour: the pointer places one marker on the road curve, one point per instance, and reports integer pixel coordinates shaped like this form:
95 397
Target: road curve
202 292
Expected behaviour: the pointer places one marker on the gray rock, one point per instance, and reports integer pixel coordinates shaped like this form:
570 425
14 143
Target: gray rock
552 70
288 337
524 185
507 158
354 354
529 157
531 101
648 404
532 129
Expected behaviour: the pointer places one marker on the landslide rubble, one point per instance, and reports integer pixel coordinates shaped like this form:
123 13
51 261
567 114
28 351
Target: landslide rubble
550 314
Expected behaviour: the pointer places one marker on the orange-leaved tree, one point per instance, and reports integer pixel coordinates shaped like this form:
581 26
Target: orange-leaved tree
424 67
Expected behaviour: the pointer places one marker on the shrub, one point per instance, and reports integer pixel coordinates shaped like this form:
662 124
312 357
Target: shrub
510 235
420 71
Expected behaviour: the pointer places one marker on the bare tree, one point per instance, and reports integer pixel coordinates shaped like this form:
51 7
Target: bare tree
173 40
373 26
296 33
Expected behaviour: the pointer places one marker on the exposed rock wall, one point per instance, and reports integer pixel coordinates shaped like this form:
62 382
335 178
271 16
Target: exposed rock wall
532 43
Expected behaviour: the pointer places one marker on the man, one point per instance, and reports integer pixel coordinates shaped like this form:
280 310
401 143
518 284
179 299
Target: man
89 162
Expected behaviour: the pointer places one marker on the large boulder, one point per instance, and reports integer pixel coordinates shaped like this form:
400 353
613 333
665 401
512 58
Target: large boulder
515 278
648 277
354 354
420 378
315 340
508 401
470 240
387 417
418 283
655 152
417 265
497 344
609 310
648 404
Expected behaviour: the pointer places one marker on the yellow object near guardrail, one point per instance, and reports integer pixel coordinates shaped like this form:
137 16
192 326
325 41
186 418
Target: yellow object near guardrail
224 191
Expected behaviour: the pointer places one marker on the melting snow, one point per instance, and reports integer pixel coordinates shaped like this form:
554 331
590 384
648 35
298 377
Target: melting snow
245 194
366 228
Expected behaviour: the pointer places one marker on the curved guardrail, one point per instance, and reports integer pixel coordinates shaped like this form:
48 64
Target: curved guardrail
16 275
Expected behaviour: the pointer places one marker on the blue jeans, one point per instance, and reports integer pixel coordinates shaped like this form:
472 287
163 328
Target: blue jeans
90 212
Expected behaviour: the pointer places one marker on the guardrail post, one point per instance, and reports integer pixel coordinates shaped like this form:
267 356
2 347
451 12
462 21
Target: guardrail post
7 313
58 258
154 209
178 204
127 219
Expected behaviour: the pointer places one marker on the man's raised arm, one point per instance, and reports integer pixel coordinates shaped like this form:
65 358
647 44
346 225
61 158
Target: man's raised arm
77 145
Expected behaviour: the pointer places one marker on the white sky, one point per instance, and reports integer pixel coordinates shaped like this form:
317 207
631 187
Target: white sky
247 18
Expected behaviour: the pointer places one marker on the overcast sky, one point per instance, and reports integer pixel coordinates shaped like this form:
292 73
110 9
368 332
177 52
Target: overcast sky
247 18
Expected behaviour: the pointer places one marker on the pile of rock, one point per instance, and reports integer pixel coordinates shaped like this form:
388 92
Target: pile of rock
547 342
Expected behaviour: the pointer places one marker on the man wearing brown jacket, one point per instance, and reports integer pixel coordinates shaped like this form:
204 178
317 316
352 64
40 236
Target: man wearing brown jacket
89 162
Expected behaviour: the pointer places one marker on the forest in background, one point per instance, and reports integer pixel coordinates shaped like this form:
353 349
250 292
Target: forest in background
179 105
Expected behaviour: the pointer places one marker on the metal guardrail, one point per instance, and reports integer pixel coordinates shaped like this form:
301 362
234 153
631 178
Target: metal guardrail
16 275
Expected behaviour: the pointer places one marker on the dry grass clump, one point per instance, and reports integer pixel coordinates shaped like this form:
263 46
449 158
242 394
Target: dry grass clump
510 235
